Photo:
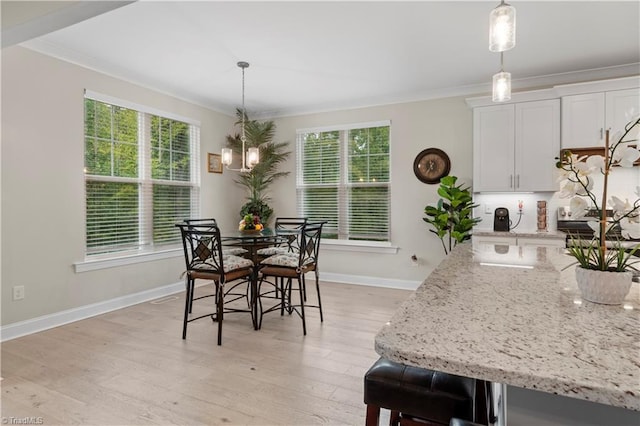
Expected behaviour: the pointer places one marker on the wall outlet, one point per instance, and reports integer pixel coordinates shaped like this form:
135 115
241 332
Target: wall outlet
18 292
487 209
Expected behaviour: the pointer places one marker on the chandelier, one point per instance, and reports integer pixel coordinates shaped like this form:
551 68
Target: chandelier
251 156
502 37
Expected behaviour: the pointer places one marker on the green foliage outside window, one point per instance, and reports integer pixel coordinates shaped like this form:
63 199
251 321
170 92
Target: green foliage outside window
354 200
115 138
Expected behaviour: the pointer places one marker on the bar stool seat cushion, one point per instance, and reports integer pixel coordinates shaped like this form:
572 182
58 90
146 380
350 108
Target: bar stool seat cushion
419 392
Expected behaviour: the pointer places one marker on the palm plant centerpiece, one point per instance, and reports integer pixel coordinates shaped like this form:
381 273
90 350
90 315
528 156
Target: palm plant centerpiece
259 134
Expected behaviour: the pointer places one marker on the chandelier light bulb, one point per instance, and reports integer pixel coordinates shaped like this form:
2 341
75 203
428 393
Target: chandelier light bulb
502 28
253 157
227 156
501 87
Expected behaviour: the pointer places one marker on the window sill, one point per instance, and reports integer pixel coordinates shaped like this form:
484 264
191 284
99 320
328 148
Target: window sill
359 246
93 264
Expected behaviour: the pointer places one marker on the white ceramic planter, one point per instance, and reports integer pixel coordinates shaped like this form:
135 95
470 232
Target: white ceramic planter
604 287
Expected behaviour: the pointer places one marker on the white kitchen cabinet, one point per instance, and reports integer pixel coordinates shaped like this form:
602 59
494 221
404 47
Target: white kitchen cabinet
586 117
515 145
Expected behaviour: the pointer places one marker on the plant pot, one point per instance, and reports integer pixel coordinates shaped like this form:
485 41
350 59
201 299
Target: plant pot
606 287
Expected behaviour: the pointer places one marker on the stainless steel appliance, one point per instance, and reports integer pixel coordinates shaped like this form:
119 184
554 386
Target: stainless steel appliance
501 222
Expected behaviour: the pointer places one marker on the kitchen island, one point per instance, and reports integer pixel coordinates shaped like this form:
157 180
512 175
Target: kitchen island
512 315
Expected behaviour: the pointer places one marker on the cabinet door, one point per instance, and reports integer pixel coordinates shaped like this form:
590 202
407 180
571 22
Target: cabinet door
493 149
622 107
583 120
537 145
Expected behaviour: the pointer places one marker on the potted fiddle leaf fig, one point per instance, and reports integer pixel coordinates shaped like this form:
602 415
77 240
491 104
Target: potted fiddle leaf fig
259 134
451 218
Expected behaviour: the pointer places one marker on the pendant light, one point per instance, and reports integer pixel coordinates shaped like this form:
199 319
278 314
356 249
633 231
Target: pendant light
502 28
251 156
501 84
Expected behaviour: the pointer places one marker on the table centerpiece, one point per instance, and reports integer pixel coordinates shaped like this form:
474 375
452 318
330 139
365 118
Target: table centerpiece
250 224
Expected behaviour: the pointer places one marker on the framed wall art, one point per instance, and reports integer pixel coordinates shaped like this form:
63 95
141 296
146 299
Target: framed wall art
214 163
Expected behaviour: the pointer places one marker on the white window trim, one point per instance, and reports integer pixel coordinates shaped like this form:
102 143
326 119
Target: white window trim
138 107
341 244
350 126
359 246
122 258
94 263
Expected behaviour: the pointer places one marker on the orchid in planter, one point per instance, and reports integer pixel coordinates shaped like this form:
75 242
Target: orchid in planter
577 183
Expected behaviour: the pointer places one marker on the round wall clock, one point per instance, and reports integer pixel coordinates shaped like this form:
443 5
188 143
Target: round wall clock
431 165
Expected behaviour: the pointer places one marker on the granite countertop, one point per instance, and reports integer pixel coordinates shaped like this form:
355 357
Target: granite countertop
554 235
515 317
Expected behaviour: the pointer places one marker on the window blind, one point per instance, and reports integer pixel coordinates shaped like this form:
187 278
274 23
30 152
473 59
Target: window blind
141 177
343 178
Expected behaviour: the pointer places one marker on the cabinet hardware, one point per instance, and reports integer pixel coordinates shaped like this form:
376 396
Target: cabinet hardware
510 181
518 181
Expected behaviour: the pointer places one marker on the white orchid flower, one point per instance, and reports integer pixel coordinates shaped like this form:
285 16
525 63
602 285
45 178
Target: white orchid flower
578 207
595 225
626 156
585 187
618 205
630 229
568 190
596 162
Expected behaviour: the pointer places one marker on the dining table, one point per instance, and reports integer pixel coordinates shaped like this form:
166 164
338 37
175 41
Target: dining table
252 241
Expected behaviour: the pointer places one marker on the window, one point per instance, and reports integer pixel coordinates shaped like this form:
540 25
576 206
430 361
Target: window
141 176
343 178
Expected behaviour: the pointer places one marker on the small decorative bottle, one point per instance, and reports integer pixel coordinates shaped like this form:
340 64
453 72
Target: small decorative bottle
542 216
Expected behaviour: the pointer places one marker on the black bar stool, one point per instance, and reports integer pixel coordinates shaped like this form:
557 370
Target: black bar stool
417 396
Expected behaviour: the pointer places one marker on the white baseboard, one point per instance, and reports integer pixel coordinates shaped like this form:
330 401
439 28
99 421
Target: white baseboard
370 281
45 322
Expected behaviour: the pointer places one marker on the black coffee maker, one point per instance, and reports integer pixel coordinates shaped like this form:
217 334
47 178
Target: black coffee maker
501 220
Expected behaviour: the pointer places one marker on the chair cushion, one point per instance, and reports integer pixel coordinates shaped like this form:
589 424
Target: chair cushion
235 251
231 263
287 260
270 251
419 392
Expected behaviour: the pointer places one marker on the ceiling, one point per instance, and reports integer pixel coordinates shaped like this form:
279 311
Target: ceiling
318 56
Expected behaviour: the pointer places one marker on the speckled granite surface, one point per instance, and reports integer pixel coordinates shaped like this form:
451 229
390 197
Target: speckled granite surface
522 323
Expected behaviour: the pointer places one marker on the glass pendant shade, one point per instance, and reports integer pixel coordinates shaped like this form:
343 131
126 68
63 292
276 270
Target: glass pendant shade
502 28
253 157
227 156
501 86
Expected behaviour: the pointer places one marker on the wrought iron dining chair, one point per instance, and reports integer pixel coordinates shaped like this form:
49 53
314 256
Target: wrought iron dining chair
284 268
205 260
289 228
210 222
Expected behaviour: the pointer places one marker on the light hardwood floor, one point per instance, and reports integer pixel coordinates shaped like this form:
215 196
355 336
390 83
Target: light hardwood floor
131 367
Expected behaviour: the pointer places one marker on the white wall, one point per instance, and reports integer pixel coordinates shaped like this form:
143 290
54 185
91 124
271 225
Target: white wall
445 124
43 185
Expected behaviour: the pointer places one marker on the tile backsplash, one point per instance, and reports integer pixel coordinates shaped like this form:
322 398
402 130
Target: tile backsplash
488 202
622 183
